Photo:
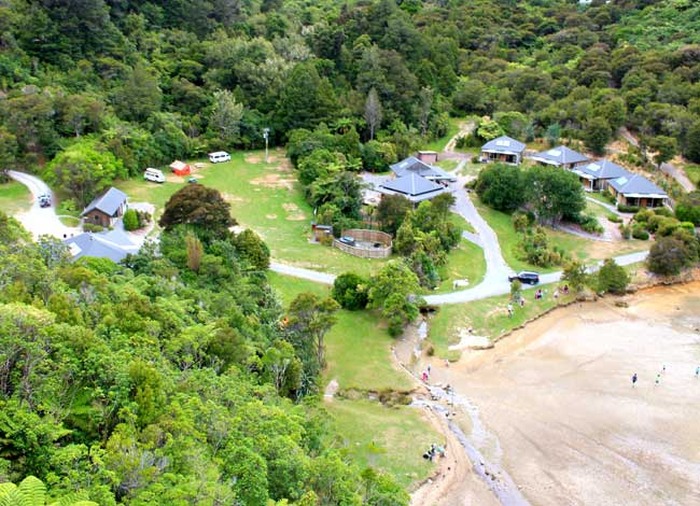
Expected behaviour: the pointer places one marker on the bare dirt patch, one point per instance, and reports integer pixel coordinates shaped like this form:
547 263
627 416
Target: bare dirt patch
253 158
172 178
293 212
229 197
273 181
271 216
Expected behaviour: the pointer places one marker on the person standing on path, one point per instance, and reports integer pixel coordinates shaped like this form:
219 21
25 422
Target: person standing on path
634 379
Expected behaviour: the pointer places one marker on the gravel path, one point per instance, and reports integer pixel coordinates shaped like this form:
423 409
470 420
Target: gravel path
300 272
40 220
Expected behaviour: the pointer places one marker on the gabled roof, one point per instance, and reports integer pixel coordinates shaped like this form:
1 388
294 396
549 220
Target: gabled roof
413 165
503 144
634 185
108 202
415 188
561 155
601 169
178 165
97 245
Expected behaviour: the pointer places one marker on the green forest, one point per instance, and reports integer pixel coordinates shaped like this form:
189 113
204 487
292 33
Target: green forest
178 377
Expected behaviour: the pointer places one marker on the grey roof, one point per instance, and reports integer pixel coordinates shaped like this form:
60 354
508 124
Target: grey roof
601 169
108 202
634 185
94 245
413 187
561 155
503 144
413 165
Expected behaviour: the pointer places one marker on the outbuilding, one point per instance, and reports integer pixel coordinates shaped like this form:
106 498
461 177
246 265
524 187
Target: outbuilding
106 208
180 168
504 150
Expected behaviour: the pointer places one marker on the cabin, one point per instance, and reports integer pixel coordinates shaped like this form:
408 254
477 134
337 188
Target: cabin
413 165
636 190
106 209
560 156
504 150
413 187
428 157
597 175
114 245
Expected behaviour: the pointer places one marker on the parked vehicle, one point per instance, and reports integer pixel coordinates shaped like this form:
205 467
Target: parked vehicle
44 200
346 239
192 180
154 175
219 157
526 277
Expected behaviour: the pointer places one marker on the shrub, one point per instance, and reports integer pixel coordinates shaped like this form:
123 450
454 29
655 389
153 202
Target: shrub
626 231
614 218
612 277
350 291
643 216
639 232
92 227
627 209
590 224
663 211
131 220
668 256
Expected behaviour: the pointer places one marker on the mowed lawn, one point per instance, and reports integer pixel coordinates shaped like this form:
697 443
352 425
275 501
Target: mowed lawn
464 262
14 198
390 439
266 198
487 317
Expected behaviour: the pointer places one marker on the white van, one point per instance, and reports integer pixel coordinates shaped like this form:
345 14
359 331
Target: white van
154 175
219 157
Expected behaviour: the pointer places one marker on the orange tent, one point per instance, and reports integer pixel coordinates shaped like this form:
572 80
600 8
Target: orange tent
180 168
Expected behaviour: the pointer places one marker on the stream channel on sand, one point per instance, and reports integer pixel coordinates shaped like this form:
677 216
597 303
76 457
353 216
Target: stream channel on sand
550 416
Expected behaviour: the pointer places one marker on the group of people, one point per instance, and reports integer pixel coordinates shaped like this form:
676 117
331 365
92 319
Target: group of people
657 380
435 451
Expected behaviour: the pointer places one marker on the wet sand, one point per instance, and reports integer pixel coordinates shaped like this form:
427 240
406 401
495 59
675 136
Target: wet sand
570 428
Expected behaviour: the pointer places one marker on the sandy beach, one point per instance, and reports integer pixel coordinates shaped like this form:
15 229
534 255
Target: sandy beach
566 422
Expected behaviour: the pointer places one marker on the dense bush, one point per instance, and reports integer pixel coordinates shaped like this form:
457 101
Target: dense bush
614 218
612 278
627 209
590 224
350 291
131 220
639 232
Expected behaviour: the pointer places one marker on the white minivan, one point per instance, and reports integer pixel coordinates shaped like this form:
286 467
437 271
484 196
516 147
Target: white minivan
154 175
219 156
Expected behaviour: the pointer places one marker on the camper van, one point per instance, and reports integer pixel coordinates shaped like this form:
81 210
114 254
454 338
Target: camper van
219 157
154 175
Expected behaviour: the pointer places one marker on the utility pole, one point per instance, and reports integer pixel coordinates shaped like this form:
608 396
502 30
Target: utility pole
266 135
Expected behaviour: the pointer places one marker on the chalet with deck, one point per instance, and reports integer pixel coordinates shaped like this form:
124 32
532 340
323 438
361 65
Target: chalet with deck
504 150
636 190
597 175
561 156
106 209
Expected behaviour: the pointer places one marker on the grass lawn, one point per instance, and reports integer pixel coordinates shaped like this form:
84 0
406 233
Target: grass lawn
447 165
601 197
693 173
289 287
487 317
390 439
14 198
471 169
267 199
464 262
358 352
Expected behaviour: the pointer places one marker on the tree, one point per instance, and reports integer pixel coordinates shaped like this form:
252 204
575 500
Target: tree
596 134
306 100
692 143
391 211
502 187
350 291
140 95
554 194
394 290
612 277
8 153
575 276
308 321
195 251
198 206
253 249
373 112
553 134
665 148
425 104
83 170
32 492
688 208
488 129
131 220
225 118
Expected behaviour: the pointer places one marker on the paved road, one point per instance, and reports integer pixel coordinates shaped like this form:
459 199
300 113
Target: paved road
40 220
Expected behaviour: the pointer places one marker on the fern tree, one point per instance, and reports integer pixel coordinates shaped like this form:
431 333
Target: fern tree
32 492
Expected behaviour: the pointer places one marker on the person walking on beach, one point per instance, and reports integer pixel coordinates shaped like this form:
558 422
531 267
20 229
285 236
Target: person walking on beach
697 372
658 378
634 379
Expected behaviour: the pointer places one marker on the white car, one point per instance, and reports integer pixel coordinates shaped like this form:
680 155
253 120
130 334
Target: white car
219 157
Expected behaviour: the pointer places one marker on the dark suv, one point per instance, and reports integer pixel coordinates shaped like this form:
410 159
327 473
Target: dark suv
526 277
44 200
